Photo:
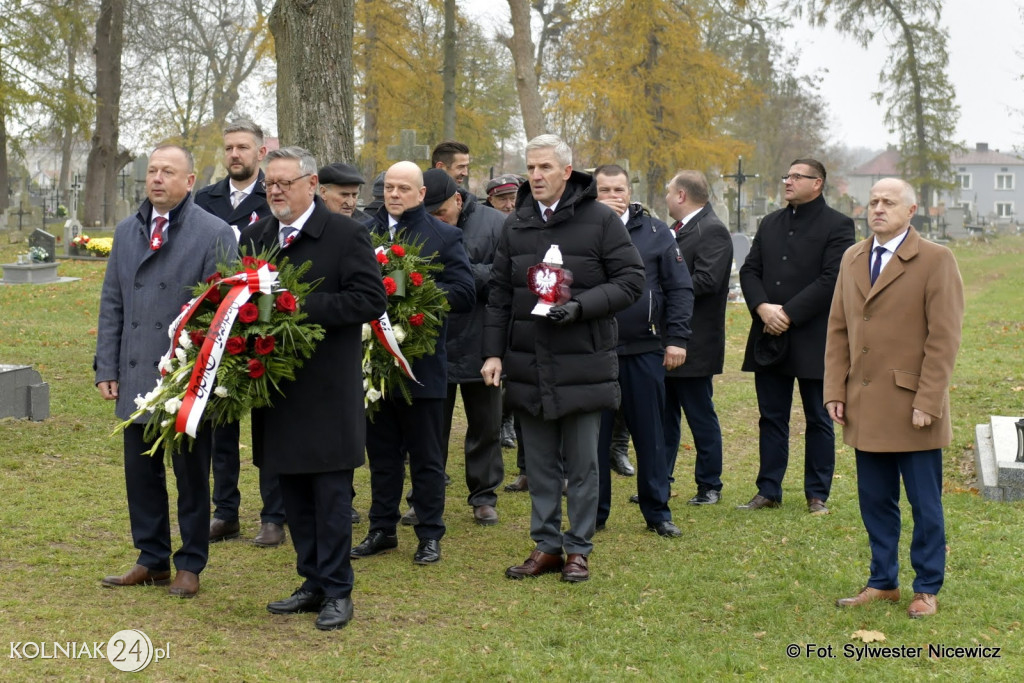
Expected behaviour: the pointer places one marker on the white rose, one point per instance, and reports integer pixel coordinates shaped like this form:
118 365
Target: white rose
221 391
172 405
184 341
399 333
367 332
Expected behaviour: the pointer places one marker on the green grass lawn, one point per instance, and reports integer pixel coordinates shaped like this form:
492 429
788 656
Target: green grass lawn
722 602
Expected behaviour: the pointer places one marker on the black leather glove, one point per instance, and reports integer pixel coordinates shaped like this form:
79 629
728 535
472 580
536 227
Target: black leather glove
569 312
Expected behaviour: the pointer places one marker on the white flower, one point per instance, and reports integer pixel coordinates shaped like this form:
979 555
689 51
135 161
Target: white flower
142 401
372 395
165 424
366 384
220 391
172 405
367 332
399 333
165 364
179 353
183 339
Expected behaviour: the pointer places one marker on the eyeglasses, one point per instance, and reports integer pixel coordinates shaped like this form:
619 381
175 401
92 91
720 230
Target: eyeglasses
793 177
285 185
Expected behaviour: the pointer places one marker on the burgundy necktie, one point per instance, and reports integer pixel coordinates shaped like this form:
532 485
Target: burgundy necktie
157 240
547 214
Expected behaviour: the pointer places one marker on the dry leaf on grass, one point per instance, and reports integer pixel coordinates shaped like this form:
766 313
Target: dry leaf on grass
868 636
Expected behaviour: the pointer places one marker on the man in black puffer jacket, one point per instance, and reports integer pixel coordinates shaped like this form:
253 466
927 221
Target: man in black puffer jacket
562 368
653 334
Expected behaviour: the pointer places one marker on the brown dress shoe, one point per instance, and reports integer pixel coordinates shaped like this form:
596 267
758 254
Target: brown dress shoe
923 605
518 484
758 502
575 569
186 584
868 594
536 564
271 535
223 531
816 506
138 576
485 515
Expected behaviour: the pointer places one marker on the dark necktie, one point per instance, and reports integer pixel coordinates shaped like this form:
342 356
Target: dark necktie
157 240
876 267
547 214
287 235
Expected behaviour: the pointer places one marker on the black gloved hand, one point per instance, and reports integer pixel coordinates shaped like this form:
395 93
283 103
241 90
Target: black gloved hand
569 312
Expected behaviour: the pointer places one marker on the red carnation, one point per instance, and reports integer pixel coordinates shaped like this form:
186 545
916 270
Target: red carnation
235 345
250 262
196 337
271 267
285 302
416 319
248 313
389 286
255 368
213 278
214 296
264 345
397 250
416 278
382 258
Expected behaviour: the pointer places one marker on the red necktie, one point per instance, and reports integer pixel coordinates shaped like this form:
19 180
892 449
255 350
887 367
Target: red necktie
157 240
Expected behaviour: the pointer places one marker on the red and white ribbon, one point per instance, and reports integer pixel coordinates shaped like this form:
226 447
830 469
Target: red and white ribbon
386 335
204 373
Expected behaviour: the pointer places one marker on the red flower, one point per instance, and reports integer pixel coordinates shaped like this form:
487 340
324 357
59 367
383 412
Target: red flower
416 278
235 345
214 296
389 286
255 368
196 337
416 319
250 262
382 258
264 345
248 313
397 250
271 267
285 302
213 278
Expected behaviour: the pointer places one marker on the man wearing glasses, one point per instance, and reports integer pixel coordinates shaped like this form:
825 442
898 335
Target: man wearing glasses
787 281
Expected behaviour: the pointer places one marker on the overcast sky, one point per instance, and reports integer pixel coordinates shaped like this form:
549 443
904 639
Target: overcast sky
984 68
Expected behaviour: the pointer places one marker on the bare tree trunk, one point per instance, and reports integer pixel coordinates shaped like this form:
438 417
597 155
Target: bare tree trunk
4 199
313 40
448 72
371 105
522 48
67 135
101 170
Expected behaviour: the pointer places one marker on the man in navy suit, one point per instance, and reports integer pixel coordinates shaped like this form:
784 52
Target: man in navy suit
241 201
397 427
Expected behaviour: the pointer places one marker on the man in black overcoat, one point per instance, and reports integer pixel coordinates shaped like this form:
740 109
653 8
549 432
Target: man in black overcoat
788 280
313 436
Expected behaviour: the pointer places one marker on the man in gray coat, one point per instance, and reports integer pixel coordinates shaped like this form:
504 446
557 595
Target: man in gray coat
168 246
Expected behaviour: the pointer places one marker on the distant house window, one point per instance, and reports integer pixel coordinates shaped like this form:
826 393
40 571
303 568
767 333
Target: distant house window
1004 209
966 206
963 181
1004 181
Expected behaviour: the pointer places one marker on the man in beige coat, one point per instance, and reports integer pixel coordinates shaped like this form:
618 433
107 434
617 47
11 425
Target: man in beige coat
893 336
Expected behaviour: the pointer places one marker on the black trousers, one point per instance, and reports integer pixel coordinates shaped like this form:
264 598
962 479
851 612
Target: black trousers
484 466
319 508
398 428
148 511
226 467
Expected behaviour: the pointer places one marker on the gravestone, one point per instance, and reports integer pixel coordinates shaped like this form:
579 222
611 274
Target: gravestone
407 149
43 240
1000 475
72 231
23 393
740 249
25 271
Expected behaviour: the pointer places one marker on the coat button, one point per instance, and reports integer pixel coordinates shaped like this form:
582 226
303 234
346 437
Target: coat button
864 350
131 364
785 258
158 326
867 317
866 382
134 325
778 283
163 286
138 285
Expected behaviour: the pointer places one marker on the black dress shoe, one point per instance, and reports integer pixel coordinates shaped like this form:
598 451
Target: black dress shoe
705 497
666 529
356 518
635 499
428 552
410 518
758 502
335 614
301 600
520 483
621 465
221 530
508 433
377 541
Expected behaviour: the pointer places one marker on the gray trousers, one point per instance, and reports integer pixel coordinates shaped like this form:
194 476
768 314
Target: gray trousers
565 448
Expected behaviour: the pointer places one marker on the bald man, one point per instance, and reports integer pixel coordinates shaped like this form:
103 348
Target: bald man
399 427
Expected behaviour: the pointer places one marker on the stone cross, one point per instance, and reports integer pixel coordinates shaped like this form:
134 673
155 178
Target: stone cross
407 149
75 187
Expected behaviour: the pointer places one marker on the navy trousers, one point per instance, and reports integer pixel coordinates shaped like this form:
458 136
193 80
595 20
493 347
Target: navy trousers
397 428
319 508
642 383
878 489
226 467
148 511
774 401
695 396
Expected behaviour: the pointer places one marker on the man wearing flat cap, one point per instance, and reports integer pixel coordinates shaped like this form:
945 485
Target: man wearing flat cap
339 188
501 192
